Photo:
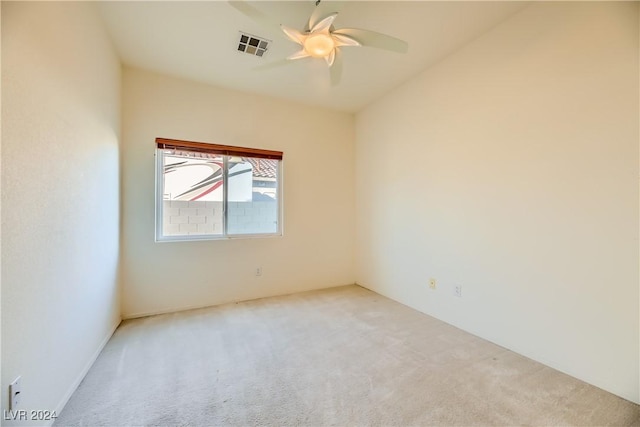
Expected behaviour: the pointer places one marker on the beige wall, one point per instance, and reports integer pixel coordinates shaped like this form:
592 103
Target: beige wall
60 219
511 168
317 247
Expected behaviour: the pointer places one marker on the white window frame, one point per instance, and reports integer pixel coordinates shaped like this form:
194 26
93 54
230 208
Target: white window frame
159 198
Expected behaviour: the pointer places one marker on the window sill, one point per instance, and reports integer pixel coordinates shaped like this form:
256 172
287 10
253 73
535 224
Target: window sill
214 238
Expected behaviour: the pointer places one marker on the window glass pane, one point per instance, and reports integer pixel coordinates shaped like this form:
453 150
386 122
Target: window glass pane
192 193
252 196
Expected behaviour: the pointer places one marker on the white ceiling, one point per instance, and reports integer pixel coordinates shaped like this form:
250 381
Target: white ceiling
198 41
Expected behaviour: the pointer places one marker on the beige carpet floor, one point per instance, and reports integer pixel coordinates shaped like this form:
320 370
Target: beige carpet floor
336 357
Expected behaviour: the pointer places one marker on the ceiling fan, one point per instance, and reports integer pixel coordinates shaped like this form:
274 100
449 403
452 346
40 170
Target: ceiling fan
320 39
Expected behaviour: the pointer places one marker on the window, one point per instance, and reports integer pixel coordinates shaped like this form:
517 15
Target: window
209 191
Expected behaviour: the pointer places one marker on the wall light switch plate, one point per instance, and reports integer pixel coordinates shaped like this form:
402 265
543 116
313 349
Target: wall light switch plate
15 393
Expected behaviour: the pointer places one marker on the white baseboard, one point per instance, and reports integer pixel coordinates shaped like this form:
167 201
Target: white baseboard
84 371
222 302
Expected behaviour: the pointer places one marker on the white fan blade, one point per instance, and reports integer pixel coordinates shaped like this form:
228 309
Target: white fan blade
256 15
331 57
293 34
324 25
323 10
373 39
342 40
298 55
335 71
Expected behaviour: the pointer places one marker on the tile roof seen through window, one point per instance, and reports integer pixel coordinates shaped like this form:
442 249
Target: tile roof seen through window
263 168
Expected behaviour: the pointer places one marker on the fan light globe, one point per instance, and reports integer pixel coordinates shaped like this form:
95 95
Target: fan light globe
319 45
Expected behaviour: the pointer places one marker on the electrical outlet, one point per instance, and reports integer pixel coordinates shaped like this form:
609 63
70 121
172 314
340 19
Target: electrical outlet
258 271
432 283
15 393
457 291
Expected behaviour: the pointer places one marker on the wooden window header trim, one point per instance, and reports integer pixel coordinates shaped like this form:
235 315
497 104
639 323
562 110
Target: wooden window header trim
203 147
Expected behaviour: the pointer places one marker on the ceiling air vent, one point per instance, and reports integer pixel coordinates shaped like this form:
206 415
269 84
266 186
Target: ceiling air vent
253 45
